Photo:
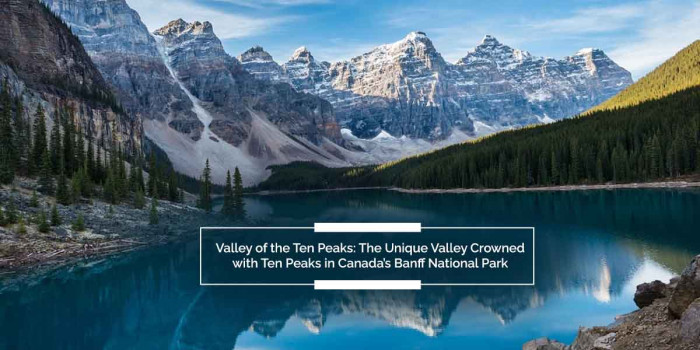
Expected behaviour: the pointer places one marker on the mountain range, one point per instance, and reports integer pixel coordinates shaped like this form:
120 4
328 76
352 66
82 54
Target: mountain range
407 89
195 101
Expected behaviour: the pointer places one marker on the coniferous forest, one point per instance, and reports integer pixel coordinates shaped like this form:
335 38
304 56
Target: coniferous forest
654 140
69 164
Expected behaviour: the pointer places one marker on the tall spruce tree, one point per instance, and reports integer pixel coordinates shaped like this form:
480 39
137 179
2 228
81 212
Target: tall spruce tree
228 206
205 188
46 184
90 158
152 174
79 148
40 139
68 143
20 152
7 158
238 203
55 147
63 195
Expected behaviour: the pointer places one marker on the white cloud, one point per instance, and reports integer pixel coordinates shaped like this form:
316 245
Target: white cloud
664 31
264 3
592 20
155 14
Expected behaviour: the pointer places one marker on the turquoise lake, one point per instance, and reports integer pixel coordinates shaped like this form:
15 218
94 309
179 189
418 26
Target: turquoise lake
592 249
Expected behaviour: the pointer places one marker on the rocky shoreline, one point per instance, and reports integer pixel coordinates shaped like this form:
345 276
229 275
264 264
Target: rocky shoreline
668 319
109 229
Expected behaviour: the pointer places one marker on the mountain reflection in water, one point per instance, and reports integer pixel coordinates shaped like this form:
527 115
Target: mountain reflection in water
592 249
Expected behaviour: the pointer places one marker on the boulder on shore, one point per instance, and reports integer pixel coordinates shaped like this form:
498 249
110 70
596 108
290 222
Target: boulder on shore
544 344
690 323
648 292
687 289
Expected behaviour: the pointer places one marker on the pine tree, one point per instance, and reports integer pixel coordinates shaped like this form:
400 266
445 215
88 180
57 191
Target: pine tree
228 206
11 213
79 148
55 217
42 223
90 158
39 144
98 175
172 187
7 157
205 188
139 200
68 145
34 201
55 143
63 195
46 175
79 223
20 142
153 215
21 227
152 175
238 203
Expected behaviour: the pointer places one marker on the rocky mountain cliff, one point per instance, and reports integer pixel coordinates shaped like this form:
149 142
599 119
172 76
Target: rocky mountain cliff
196 101
47 65
127 55
408 89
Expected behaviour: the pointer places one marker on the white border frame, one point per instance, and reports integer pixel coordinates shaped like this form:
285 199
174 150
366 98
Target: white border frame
201 229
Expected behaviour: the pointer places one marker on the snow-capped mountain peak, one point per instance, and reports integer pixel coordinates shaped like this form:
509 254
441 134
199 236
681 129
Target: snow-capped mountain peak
302 54
180 27
489 40
255 54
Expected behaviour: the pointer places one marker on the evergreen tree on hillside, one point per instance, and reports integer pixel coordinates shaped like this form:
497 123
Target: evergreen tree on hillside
55 149
40 138
79 149
172 187
90 158
7 157
68 143
63 195
55 217
238 203
46 184
152 175
153 214
228 206
98 175
20 152
205 188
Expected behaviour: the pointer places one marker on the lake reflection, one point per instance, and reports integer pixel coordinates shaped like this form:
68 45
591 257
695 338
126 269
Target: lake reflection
593 248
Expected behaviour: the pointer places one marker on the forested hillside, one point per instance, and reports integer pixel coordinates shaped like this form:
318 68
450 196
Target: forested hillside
680 72
650 141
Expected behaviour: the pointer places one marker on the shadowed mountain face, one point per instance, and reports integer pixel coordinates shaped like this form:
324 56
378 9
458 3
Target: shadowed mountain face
407 88
196 101
127 55
48 66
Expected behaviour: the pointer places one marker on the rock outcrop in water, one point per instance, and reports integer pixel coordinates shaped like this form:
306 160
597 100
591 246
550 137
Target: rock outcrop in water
407 88
668 319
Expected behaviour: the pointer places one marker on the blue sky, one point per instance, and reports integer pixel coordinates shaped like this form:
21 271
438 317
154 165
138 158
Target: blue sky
638 35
